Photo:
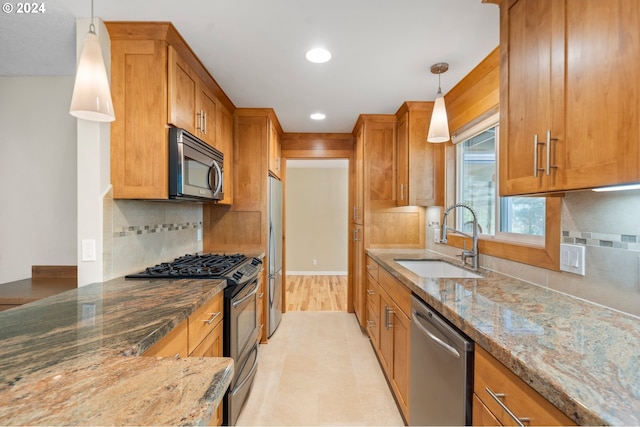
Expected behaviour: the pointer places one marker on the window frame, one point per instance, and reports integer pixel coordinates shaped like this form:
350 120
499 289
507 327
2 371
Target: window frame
492 122
520 250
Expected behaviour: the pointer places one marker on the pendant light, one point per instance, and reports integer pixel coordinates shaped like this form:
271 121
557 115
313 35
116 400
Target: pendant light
91 98
439 126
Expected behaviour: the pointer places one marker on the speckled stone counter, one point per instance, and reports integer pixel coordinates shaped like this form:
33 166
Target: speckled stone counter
71 359
582 357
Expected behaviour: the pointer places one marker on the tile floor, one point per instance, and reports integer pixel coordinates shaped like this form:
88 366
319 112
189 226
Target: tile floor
318 369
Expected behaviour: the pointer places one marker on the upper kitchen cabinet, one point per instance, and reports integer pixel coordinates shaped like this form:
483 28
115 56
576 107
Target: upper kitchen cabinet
420 165
570 94
379 159
192 106
157 82
275 150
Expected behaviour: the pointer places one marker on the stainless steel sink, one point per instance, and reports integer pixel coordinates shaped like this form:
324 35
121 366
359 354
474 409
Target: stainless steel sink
436 268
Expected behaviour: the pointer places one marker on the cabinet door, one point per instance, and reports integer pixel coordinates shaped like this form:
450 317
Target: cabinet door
358 208
359 276
207 117
402 148
526 45
373 310
602 94
139 153
274 150
183 94
386 334
380 162
224 143
401 328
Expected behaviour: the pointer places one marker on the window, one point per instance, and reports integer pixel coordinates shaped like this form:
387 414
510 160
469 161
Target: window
503 218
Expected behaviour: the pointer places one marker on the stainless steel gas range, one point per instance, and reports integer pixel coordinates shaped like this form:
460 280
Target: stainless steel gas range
240 339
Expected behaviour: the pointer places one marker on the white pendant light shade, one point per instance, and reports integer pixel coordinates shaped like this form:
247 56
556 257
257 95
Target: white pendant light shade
91 95
439 126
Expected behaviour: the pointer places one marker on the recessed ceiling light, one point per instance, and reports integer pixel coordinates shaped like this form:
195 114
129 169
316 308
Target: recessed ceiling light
318 55
318 116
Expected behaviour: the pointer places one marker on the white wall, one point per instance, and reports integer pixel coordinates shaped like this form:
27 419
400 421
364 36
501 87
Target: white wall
37 175
316 220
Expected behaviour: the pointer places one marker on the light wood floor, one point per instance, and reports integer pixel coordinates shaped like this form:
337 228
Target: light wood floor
316 293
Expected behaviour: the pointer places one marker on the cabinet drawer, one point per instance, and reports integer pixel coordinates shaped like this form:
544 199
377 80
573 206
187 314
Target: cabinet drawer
396 290
203 320
174 343
372 268
481 416
211 345
372 296
519 397
373 323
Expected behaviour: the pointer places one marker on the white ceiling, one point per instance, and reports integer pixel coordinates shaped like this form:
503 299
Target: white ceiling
382 49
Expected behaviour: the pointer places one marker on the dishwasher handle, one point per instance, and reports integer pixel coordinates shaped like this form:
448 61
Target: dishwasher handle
417 320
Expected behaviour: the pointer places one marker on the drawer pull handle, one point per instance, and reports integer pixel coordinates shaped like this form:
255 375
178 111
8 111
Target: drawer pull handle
371 292
497 397
214 316
261 294
176 356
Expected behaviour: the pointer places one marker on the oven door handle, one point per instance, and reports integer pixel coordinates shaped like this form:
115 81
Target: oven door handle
253 369
246 297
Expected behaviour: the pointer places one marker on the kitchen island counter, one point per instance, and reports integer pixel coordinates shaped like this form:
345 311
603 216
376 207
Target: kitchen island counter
582 357
70 359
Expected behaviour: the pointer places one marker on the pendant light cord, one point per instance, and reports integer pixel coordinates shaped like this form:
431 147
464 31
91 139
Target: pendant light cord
92 28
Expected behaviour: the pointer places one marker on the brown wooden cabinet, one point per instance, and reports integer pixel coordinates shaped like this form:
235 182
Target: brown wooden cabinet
570 95
275 151
243 227
389 327
420 165
376 220
201 335
492 377
174 344
157 82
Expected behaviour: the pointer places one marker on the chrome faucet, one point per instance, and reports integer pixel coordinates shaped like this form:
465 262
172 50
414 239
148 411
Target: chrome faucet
473 253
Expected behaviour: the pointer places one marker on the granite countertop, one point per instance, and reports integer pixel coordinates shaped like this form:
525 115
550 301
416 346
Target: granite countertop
582 357
70 359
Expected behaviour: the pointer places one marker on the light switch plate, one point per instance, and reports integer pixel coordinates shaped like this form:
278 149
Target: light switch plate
572 258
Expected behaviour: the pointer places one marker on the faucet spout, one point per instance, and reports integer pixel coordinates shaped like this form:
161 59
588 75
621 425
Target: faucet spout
473 253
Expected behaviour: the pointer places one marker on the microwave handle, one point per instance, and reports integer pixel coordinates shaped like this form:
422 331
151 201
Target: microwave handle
218 179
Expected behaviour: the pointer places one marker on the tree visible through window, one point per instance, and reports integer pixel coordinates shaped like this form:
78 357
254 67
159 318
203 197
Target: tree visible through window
477 186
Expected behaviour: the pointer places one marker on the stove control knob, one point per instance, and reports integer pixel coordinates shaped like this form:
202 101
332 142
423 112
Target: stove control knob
237 275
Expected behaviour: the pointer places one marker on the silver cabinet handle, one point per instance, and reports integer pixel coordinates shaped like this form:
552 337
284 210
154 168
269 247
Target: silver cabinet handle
176 356
199 120
371 292
401 191
204 122
535 155
355 212
261 294
549 166
497 397
214 316
371 323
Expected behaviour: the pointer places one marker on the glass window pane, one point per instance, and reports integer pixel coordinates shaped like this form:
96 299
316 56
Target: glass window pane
477 188
477 181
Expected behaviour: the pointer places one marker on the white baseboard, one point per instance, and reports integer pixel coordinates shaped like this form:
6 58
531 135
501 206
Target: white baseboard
316 273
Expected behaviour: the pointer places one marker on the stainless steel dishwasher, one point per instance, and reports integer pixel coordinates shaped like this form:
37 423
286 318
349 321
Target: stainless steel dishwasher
441 382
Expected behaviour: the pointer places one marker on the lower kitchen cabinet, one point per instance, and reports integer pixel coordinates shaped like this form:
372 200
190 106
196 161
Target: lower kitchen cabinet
496 388
389 328
198 336
172 344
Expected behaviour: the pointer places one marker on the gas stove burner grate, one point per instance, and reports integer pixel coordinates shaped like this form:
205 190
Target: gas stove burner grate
197 266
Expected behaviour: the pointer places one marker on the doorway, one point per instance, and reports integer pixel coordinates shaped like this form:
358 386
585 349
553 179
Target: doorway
316 224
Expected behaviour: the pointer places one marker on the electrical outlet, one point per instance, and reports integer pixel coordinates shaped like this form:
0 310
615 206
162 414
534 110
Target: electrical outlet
88 250
88 311
314 261
199 234
572 258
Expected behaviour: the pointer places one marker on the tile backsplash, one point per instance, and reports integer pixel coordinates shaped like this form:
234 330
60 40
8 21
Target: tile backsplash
608 225
138 234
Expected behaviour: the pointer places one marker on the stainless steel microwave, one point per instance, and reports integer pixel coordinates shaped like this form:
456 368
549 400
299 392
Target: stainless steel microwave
196 169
